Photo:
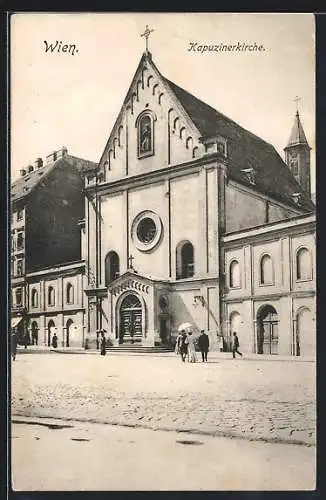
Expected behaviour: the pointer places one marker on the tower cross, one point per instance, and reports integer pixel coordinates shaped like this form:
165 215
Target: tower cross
297 99
146 34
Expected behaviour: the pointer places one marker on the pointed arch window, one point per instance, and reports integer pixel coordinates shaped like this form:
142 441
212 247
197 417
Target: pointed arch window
112 267
145 134
185 265
234 274
34 298
70 294
51 297
303 264
266 270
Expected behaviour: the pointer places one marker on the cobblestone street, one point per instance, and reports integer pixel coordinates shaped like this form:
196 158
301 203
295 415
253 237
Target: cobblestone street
252 399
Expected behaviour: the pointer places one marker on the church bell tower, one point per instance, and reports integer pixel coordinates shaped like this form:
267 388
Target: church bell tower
297 155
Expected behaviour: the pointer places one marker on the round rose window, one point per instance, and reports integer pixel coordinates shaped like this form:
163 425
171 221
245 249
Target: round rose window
146 230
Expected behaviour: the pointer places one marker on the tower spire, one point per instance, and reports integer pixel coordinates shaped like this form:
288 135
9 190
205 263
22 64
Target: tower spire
297 152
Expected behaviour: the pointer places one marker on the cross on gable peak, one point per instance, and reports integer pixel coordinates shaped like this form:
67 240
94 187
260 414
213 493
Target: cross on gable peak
146 34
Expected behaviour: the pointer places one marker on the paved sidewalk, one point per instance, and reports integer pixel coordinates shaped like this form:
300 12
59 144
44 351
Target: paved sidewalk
213 356
83 456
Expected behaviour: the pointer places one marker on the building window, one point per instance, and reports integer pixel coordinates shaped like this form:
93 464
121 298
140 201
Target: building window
145 134
234 274
70 294
12 243
294 167
304 267
185 260
20 214
19 297
266 270
51 296
20 241
20 267
34 298
112 267
12 266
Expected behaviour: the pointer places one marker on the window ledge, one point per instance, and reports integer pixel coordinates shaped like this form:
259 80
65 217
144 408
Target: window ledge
303 280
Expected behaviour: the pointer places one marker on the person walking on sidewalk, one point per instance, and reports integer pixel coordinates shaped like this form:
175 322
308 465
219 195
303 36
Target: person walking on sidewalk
13 345
183 346
236 345
103 344
203 344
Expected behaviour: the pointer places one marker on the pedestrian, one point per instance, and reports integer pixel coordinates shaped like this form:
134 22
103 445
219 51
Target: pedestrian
177 344
54 341
191 347
13 345
203 343
103 344
221 344
183 349
236 345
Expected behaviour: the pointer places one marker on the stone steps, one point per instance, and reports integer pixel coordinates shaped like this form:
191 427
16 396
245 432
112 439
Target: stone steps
132 348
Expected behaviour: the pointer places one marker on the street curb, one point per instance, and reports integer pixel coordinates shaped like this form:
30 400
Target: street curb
51 422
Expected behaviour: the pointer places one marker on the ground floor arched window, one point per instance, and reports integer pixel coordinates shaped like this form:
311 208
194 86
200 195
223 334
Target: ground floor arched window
267 330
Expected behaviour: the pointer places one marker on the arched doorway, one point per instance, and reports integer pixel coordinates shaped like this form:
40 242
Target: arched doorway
51 327
235 326
68 331
131 320
34 333
267 330
305 335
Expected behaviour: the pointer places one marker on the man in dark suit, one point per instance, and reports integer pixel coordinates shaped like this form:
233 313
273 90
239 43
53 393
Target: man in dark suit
236 345
203 343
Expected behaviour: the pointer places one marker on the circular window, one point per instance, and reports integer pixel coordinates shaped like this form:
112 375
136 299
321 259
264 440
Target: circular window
146 230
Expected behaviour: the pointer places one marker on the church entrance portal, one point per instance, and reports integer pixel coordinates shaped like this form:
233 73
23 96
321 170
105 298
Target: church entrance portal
267 330
131 324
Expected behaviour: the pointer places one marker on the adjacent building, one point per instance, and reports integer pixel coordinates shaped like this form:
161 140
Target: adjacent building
47 271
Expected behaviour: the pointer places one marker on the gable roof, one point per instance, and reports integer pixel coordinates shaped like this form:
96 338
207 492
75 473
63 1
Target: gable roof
24 185
245 150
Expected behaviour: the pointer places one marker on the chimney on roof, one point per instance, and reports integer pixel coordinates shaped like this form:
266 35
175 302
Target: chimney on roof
30 168
38 163
22 172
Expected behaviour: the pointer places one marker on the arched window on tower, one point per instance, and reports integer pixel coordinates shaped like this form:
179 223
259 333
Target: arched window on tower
145 134
234 274
266 270
185 265
112 267
304 267
70 294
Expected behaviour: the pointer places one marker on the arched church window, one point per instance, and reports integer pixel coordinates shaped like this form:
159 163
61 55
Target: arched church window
303 261
51 296
234 274
145 134
266 270
70 294
34 298
112 267
185 260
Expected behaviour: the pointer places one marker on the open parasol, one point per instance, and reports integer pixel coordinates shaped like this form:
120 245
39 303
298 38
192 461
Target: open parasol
185 326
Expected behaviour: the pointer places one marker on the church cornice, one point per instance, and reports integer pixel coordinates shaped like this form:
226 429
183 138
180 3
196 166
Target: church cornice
208 161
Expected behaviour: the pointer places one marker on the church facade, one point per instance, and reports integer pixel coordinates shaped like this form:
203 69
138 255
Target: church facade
180 194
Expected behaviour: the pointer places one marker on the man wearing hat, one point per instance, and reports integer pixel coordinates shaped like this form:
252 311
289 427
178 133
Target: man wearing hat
203 343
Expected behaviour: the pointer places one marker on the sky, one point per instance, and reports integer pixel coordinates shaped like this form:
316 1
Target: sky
59 99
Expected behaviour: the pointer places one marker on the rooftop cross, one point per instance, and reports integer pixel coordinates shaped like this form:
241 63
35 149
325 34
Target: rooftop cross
297 99
146 34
